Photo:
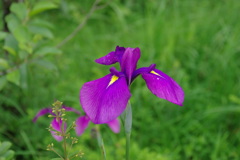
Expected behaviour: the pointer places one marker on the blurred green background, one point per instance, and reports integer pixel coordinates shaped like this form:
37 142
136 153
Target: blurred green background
195 42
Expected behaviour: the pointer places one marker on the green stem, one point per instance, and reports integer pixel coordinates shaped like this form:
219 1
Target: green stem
63 134
65 148
128 135
57 153
128 127
101 143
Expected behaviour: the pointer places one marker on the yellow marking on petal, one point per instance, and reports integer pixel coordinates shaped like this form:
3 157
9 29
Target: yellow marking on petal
113 79
153 72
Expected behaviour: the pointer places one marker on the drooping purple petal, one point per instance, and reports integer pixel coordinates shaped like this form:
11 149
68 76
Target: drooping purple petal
42 112
81 124
112 57
163 86
56 125
114 125
129 62
71 109
55 136
104 99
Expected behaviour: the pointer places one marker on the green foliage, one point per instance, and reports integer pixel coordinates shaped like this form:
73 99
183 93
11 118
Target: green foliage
26 50
42 6
5 152
2 35
28 41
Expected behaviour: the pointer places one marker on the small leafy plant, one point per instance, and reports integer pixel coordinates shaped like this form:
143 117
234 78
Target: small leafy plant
28 42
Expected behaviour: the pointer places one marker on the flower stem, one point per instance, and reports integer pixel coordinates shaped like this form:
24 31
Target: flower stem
101 143
65 148
57 153
127 145
63 134
128 128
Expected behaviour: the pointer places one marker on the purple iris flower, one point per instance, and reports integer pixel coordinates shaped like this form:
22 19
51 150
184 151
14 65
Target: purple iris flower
106 98
56 123
81 122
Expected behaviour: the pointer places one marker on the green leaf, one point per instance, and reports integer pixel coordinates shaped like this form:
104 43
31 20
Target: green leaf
234 99
2 35
22 54
47 51
56 159
14 77
41 30
46 64
4 146
42 23
19 9
22 34
3 63
11 45
42 6
23 77
9 155
19 31
10 50
3 82
25 47
12 22
12 102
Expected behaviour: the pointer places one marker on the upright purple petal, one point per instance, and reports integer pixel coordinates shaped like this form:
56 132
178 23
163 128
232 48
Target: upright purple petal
71 109
105 99
42 112
112 57
163 86
56 125
81 124
114 125
119 51
109 59
129 62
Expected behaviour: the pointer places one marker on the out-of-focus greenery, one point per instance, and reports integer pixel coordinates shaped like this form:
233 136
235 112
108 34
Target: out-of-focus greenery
5 152
195 42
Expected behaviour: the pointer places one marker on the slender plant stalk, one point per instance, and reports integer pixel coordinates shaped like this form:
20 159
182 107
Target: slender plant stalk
63 134
65 148
128 135
57 153
101 143
80 26
128 128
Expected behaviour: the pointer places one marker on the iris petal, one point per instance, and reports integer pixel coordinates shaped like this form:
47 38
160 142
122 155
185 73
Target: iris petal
112 57
129 62
103 102
71 109
109 59
56 125
81 124
42 112
163 86
114 125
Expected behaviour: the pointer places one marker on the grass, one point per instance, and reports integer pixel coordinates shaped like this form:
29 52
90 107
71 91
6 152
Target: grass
195 42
